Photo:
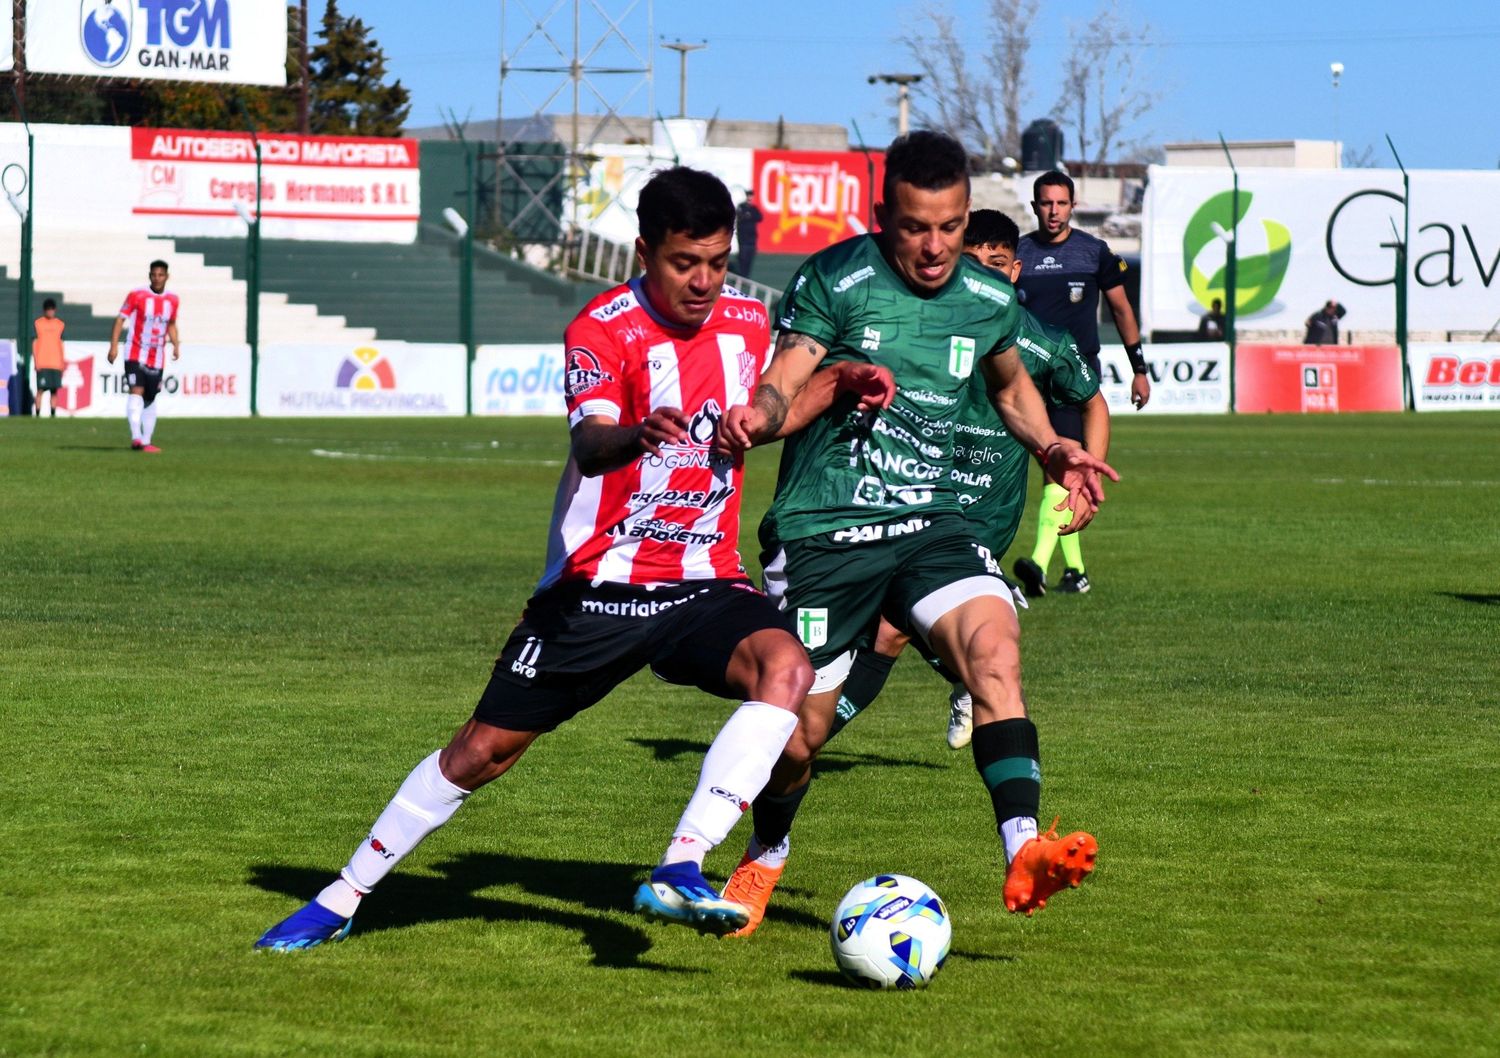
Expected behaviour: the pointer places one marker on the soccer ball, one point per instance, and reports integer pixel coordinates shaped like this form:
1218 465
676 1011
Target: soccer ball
891 931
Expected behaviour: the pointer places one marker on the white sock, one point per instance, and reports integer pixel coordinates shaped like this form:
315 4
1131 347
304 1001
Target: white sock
1016 832
735 769
148 421
425 801
133 404
775 856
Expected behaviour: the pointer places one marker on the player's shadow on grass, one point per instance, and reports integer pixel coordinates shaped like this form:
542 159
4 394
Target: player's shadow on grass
828 762
600 891
122 449
1481 599
834 979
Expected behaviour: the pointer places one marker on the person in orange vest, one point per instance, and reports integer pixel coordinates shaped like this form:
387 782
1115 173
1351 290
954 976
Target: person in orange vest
47 355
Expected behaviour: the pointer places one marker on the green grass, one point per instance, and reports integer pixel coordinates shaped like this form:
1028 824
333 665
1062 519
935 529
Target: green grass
1277 711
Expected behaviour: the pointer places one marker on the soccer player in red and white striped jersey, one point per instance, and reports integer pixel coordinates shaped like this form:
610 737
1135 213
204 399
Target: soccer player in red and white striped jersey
643 568
151 314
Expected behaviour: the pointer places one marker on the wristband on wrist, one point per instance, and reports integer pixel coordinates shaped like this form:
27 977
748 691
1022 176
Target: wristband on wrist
1137 360
1043 454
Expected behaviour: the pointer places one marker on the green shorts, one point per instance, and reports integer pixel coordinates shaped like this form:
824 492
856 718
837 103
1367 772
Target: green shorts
48 379
836 586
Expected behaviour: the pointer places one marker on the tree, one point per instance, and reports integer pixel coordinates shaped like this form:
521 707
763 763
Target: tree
975 96
1103 94
349 96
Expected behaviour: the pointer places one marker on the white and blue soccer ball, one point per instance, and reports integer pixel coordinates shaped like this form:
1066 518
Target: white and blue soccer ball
891 931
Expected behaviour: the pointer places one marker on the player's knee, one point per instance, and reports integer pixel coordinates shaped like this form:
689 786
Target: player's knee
783 674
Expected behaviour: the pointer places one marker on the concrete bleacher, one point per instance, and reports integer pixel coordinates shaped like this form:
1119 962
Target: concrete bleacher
409 292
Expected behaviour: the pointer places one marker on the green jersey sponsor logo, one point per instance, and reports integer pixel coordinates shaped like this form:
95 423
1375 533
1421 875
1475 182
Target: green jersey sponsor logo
960 357
986 290
1258 277
853 278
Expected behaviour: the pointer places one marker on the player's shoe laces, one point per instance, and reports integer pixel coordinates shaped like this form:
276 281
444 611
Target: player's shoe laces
679 893
1032 577
1046 864
1074 582
960 718
751 886
307 927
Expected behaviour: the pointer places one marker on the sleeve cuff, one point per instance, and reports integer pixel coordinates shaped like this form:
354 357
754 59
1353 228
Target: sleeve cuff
594 407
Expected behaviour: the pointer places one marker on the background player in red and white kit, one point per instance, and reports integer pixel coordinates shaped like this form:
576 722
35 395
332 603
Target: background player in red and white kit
642 568
151 313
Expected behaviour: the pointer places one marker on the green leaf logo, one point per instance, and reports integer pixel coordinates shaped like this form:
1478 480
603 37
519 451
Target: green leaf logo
1259 276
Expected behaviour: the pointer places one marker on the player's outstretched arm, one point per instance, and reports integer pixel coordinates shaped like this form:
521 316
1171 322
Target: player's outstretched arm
792 365
601 445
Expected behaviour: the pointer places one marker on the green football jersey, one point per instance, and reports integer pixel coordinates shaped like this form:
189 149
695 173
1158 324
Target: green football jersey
989 465
845 469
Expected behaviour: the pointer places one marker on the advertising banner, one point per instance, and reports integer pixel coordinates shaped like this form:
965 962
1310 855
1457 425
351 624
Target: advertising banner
519 380
1186 379
381 378
813 199
220 41
1306 236
209 381
351 181
607 198
8 376
1455 377
1315 378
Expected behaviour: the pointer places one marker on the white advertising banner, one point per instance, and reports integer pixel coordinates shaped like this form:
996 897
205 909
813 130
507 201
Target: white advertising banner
519 380
380 378
1186 379
608 197
1306 236
209 381
221 41
1456 377
190 182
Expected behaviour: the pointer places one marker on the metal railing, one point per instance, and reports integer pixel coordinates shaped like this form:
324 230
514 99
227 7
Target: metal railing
590 256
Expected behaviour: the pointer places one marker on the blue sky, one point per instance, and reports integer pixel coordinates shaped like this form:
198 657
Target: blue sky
1425 73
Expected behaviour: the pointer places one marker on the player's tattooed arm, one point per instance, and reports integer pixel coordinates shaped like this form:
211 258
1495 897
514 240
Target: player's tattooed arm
764 419
601 445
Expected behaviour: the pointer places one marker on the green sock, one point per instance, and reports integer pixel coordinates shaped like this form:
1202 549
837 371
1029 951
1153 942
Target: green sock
1048 522
1072 549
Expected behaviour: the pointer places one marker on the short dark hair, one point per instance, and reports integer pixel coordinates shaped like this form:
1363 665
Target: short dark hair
686 200
1052 178
48 304
930 161
158 264
990 227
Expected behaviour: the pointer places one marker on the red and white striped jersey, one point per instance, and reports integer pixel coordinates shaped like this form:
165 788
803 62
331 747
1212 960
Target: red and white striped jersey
670 517
148 314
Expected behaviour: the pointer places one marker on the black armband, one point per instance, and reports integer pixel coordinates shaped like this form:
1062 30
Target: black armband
1137 360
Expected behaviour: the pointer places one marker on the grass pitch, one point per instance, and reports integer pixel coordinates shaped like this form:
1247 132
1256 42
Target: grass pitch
1277 711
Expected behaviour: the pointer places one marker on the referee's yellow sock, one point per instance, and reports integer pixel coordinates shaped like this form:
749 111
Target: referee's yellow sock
1072 549
1048 522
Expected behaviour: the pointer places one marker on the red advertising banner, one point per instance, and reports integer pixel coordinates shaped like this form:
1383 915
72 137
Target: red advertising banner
813 199
1316 378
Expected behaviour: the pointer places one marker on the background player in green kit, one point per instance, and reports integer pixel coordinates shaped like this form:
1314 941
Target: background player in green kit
990 467
865 513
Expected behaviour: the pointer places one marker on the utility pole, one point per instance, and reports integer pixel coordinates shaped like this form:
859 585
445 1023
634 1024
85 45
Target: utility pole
903 83
302 108
682 53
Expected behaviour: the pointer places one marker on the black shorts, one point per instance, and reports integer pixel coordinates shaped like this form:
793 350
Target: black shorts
577 642
148 380
1067 419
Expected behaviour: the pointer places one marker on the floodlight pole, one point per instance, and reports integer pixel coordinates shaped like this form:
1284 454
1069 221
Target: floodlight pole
1231 266
903 83
682 53
1408 391
466 273
23 304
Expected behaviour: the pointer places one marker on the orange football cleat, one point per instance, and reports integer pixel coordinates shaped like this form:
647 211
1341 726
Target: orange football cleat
1046 864
751 886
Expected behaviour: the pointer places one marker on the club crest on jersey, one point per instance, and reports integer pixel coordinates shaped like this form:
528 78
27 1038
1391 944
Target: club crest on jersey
960 356
812 625
748 373
584 372
1075 292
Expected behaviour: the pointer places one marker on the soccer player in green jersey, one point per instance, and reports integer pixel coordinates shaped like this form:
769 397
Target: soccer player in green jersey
990 466
866 517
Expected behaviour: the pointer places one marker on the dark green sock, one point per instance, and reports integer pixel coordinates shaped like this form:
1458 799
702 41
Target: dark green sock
862 686
1009 762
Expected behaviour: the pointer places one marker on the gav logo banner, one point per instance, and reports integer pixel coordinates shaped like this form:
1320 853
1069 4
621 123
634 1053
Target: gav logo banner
221 41
1307 235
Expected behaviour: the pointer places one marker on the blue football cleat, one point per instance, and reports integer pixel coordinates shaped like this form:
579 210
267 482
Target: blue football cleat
306 927
679 893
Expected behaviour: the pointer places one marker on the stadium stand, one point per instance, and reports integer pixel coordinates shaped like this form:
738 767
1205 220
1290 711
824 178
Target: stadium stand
409 292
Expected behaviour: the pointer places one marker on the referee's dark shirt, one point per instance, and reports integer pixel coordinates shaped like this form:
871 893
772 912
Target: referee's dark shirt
1060 283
